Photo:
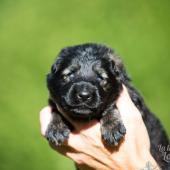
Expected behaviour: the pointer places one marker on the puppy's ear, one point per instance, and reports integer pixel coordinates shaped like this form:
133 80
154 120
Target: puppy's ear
118 69
54 70
59 60
56 66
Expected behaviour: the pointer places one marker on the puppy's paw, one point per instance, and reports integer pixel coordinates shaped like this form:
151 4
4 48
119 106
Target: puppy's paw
113 133
56 134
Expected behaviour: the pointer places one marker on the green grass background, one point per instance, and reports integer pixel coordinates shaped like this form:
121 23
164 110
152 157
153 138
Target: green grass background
32 33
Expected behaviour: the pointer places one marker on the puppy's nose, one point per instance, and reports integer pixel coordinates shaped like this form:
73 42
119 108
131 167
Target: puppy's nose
84 95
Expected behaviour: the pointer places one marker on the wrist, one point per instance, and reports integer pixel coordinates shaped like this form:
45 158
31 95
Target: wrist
145 162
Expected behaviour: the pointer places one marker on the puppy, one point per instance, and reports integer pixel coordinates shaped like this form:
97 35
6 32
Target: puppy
83 84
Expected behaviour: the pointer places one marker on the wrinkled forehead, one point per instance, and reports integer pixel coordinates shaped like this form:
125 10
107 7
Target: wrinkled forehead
86 68
81 66
87 61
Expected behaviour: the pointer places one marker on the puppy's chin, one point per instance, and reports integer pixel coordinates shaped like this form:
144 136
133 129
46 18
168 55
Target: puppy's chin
81 113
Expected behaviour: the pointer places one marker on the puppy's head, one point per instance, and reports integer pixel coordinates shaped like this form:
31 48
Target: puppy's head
85 78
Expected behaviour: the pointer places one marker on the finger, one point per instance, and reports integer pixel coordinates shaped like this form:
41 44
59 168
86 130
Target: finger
131 116
126 107
86 161
45 118
90 135
89 145
124 99
84 125
62 149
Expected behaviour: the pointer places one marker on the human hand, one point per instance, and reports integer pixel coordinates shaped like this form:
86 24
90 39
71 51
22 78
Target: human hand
86 148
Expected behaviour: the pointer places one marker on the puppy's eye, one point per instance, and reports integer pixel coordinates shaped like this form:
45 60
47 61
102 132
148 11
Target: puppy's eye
68 77
104 83
99 79
65 77
71 76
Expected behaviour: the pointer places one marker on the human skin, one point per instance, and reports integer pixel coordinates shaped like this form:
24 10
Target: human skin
86 148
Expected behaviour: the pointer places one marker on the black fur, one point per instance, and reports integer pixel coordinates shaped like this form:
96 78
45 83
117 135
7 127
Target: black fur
84 83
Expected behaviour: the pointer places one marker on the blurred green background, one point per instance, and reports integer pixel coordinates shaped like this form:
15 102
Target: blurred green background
32 33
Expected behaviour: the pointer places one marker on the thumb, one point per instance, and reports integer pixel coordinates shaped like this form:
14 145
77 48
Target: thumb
126 107
45 119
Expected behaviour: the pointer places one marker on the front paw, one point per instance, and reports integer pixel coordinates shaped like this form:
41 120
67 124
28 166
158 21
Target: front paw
57 135
112 133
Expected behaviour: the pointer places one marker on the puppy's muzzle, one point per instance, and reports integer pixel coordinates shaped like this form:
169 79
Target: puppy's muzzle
83 94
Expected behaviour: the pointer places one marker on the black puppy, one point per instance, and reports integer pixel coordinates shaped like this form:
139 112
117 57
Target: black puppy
84 83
